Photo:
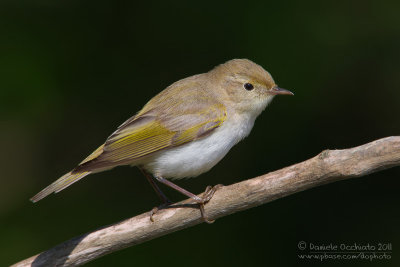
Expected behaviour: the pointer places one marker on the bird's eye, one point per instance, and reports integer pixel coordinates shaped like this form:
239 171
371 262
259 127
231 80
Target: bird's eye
248 86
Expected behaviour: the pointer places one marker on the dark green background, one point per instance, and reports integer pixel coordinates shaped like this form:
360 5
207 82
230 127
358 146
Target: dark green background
71 72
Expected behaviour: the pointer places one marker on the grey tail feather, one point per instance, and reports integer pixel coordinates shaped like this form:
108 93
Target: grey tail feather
60 184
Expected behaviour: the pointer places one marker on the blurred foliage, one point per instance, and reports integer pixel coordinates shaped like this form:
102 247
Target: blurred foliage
72 71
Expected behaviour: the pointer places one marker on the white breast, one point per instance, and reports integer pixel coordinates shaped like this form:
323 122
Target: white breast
197 157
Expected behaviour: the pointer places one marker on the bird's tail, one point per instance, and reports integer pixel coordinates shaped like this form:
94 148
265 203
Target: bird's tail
60 184
69 178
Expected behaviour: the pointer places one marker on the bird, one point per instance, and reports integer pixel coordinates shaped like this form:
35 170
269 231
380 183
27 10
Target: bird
185 130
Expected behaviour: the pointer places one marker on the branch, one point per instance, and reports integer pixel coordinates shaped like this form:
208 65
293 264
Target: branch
329 166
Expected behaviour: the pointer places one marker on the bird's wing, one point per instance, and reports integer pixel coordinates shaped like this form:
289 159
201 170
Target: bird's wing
151 130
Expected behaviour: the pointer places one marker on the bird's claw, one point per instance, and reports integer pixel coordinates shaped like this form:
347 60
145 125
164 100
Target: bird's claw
207 195
156 209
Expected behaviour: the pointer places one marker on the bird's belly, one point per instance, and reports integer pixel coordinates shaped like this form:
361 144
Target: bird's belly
194 158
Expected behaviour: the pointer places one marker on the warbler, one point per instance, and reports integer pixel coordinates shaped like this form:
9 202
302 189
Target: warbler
184 130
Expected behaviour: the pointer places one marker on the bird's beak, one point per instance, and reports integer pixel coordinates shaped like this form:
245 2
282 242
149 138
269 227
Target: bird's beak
280 91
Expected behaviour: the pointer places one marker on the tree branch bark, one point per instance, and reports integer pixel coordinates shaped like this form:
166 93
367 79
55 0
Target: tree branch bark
328 166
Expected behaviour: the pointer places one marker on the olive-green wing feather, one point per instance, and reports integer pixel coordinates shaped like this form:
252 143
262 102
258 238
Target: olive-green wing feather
149 132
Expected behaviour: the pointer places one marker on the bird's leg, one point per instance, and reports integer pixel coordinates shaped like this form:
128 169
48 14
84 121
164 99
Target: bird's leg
208 194
160 193
165 201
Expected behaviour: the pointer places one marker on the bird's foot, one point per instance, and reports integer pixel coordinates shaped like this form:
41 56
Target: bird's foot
206 197
201 201
156 209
